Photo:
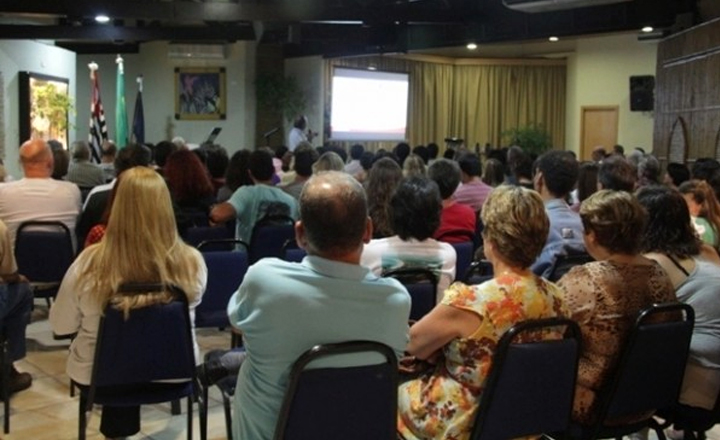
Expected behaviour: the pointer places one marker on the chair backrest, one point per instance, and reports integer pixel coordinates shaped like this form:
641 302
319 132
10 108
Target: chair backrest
422 286
464 252
153 344
43 250
293 253
349 403
651 366
226 271
531 383
196 235
455 235
269 235
564 263
478 272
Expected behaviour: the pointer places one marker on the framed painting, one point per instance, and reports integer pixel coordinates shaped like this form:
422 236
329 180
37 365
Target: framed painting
44 105
200 93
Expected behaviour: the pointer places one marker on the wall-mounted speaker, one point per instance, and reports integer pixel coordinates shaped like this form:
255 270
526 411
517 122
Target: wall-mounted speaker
642 93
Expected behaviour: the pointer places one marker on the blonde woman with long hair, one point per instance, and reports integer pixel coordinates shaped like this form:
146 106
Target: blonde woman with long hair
141 245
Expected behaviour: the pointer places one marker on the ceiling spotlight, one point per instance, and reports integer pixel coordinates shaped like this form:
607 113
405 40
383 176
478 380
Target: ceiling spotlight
372 68
554 39
648 29
471 46
102 18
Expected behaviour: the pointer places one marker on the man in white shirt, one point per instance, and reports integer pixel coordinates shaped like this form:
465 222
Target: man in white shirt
297 134
37 196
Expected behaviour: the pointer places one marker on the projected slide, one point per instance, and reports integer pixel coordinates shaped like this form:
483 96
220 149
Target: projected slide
369 105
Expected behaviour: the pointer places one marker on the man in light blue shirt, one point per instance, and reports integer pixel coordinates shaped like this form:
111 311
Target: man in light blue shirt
251 203
284 309
555 175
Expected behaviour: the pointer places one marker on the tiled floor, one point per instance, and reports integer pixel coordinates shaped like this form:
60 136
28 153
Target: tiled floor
46 410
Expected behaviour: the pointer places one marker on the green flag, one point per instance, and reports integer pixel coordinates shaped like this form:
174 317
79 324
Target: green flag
121 125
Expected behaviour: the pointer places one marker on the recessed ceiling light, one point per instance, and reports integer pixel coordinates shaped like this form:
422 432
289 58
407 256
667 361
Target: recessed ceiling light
471 46
554 39
372 68
102 18
648 29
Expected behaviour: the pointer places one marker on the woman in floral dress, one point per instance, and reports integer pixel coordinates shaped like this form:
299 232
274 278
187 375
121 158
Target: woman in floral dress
461 333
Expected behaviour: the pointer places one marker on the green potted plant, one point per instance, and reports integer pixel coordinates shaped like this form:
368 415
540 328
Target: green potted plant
278 93
533 138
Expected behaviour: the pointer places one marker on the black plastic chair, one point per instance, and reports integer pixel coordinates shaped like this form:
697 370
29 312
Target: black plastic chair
292 252
269 235
531 383
349 403
421 284
132 355
226 270
648 374
196 235
478 272
44 252
6 365
564 263
462 234
464 252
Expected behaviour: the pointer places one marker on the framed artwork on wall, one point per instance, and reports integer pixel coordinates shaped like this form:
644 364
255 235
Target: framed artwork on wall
44 105
200 93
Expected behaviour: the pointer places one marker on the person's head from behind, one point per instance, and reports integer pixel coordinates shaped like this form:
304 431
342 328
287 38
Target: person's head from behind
493 173
616 174
556 172
217 161
305 157
669 229
705 168
515 226
109 151
366 160
334 221
238 171
587 180
699 196
618 150
676 174
80 151
415 208
186 177
162 151
422 151
598 154
446 174
37 159
470 167
413 166
133 155
613 223
356 151
402 151
433 150
648 170
300 122
261 166
328 161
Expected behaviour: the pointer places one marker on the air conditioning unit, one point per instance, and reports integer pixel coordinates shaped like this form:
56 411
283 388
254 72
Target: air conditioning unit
197 51
533 6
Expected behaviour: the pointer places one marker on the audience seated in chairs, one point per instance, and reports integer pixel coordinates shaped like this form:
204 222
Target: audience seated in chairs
251 203
459 336
605 296
415 213
556 173
693 268
37 196
16 300
141 244
284 308
454 216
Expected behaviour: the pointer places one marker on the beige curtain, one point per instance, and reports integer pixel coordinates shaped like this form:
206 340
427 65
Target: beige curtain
475 101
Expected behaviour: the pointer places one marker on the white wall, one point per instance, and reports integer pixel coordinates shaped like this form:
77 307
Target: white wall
36 57
159 94
308 72
599 74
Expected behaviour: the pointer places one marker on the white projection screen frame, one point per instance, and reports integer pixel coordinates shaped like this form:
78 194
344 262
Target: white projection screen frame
369 105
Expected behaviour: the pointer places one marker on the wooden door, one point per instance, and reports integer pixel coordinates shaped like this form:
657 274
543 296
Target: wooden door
598 126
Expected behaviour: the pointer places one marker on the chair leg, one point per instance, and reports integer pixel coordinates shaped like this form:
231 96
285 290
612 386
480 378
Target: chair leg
82 420
203 412
228 416
175 407
5 385
72 388
190 404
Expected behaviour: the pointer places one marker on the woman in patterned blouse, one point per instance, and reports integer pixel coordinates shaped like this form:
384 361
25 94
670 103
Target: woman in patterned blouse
460 335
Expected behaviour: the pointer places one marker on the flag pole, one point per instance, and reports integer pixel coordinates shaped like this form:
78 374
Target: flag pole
121 127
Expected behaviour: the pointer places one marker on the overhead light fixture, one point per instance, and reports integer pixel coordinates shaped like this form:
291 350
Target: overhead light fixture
471 46
372 68
102 18
554 39
647 29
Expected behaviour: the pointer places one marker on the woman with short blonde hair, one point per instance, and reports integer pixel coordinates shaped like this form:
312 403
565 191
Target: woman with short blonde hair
460 334
141 245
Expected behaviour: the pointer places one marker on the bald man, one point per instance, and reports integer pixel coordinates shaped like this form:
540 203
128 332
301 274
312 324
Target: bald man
37 196
284 309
